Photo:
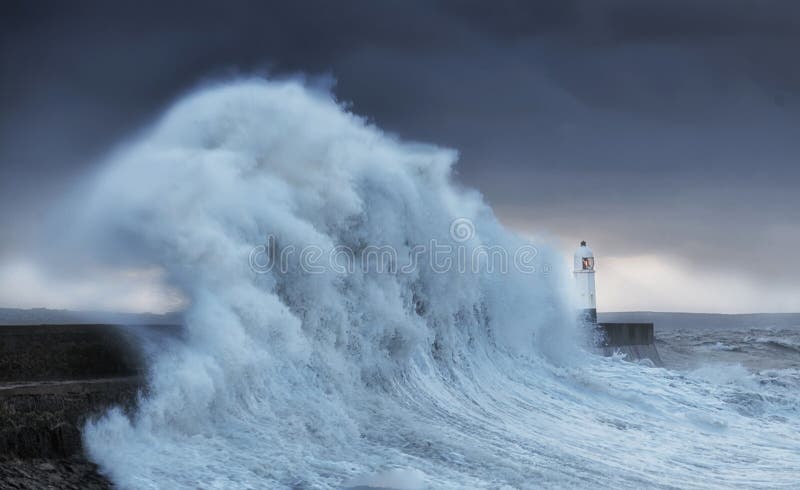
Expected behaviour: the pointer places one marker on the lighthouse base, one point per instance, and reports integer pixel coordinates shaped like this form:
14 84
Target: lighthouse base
634 340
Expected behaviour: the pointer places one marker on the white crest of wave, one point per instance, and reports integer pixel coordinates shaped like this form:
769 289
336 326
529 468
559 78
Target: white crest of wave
295 378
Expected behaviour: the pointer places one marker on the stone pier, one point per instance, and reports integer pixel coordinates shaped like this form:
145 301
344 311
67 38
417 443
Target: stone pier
53 378
635 340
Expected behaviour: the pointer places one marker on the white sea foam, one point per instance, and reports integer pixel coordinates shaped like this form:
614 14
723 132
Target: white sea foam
431 379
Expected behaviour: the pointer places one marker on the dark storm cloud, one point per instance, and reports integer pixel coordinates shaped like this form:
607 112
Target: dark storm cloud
664 127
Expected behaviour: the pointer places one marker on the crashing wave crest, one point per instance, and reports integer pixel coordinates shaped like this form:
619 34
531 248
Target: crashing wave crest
440 378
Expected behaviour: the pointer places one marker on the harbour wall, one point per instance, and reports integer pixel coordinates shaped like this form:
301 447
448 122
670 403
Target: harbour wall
636 341
53 378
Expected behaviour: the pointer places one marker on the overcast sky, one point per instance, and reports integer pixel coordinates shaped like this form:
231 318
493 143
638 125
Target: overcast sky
667 134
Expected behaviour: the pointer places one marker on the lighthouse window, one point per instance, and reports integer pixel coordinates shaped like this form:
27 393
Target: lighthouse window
588 263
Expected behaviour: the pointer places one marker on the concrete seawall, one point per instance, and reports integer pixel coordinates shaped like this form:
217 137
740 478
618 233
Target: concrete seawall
44 419
59 352
54 377
635 340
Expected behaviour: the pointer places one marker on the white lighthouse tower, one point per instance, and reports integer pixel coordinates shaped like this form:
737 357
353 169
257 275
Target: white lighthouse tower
583 271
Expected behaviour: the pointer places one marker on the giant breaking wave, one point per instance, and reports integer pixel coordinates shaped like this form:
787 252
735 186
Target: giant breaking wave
427 379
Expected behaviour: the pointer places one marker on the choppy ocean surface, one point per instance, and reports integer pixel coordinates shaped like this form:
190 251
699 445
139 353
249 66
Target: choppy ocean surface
421 377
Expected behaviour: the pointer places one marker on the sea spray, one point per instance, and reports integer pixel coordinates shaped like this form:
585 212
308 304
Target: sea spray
282 363
416 374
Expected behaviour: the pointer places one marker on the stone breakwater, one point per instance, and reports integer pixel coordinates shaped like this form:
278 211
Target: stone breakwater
52 379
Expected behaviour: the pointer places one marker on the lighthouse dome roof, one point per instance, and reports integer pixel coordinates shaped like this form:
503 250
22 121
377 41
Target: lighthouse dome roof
584 258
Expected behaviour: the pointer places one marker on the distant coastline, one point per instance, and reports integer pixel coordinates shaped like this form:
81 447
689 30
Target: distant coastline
46 316
678 320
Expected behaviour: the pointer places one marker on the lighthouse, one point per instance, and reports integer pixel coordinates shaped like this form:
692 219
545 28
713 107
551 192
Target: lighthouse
634 340
583 271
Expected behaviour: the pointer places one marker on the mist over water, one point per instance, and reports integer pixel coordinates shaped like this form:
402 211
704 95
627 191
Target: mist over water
426 378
